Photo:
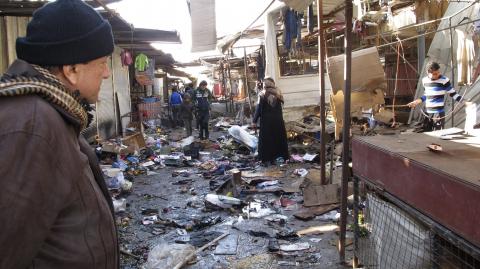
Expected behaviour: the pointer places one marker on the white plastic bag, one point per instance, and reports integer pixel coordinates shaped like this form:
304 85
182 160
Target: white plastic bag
166 256
242 136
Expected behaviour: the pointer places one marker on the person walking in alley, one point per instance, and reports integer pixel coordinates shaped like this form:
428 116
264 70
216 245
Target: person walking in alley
55 209
203 99
436 87
273 136
186 113
175 102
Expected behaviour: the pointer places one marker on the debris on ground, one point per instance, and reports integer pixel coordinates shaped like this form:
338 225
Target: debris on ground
174 196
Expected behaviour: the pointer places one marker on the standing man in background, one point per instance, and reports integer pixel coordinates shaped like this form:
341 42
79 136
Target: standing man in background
436 87
203 99
175 102
55 209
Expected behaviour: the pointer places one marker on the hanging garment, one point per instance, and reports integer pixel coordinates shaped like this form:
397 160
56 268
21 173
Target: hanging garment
260 67
310 19
465 57
299 30
290 28
126 58
141 62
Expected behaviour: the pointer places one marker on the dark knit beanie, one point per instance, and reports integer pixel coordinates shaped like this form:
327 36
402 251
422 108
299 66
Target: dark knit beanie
65 32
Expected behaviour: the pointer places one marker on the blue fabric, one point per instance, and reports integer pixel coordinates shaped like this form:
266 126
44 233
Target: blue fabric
299 30
175 99
291 27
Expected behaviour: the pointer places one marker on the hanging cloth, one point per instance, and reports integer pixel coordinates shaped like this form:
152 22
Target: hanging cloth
310 19
465 57
126 58
290 28
141 62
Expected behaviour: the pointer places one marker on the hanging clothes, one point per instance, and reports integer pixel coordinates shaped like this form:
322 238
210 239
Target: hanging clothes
359 28
260 67
290 27
299 30
141 62
310 19
126 58
465 57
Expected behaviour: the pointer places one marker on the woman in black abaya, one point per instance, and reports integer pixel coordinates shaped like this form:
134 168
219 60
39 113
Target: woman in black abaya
273 136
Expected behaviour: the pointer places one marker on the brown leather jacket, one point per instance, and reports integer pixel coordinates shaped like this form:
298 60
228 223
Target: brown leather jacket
55 211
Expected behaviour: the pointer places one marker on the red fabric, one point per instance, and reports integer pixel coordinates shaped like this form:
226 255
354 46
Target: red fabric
217 89
126 57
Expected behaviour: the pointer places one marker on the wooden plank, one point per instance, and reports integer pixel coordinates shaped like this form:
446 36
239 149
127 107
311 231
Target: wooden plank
311 212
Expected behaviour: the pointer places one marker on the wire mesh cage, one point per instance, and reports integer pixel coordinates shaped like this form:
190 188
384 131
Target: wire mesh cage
389 235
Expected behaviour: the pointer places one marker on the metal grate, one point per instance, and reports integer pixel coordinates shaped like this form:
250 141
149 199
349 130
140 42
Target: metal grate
390 234
390 238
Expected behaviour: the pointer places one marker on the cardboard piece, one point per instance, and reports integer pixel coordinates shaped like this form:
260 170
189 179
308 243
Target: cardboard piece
314 195
362 60
360 101
384 115
136 140
311 212
314 176
117 149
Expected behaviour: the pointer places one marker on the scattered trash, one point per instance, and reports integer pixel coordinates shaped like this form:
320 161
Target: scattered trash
149 211
120 205
300 172
204 156
242 136
295 247
227 167
222 200
227 246
257 210
286 234
435 147
285 202
267 184
147 164
167 256
333 215
149 220
273 245
277 218
309 157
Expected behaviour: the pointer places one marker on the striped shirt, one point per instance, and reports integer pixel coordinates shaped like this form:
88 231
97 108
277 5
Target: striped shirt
434 96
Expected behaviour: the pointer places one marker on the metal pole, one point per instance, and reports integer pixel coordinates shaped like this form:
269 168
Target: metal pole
246 81
232 109
421 50
346 127
224 86
321 65
452 79
356 228
332 161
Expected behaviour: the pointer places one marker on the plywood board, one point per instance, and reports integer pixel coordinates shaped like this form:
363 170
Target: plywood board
362 60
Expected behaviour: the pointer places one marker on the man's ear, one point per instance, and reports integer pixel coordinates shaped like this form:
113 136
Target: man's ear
71 73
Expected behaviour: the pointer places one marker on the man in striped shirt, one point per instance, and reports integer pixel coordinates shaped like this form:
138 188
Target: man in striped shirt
436 87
